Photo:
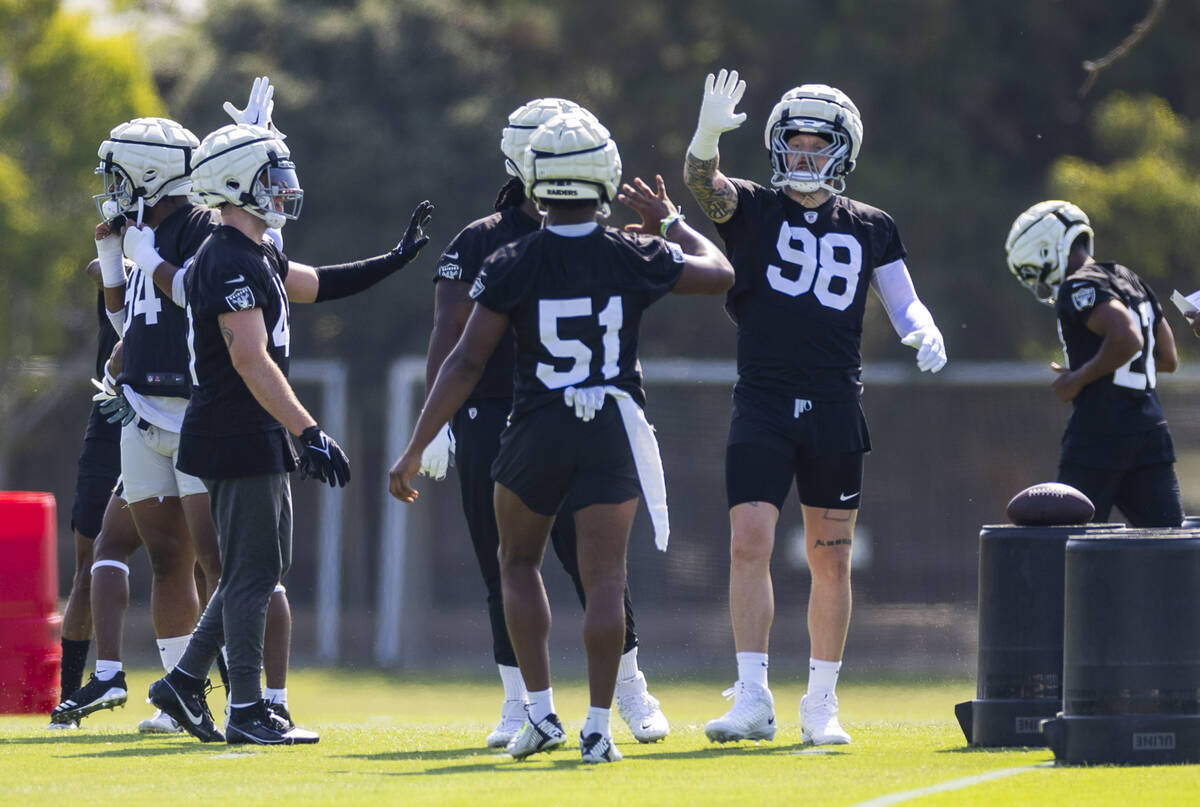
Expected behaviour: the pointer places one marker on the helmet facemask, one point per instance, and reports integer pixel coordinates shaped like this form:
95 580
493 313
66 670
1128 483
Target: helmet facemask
276 194
809 171
119 195
1039 246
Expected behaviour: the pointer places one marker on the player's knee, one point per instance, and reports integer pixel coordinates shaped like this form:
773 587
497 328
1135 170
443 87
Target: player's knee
832 566
750 547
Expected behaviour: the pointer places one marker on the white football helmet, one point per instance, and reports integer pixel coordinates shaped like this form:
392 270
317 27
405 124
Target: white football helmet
817 109
247 166
143 160
1039 245
523 122
572 156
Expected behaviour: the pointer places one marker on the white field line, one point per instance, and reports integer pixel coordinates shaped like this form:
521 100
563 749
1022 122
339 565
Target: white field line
953 784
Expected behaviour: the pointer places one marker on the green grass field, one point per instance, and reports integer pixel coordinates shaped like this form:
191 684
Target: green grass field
390 740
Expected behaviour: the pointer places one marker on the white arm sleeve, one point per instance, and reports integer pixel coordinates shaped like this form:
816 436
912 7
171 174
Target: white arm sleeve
895 289
178 295
117 318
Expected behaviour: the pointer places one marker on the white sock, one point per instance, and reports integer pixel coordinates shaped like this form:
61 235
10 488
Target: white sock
106 670
752 668
597 722
170 650
822 676
541 704
628 669
514 684
275 695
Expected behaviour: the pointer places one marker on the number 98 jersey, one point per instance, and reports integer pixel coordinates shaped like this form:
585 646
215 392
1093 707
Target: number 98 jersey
800 290
576 304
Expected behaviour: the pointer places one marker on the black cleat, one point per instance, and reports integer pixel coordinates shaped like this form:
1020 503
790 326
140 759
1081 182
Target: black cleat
187 706
259 725
91 697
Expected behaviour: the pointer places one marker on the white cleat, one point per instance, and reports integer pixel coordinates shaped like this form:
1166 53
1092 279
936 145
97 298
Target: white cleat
512 717
819 721
751 718
596 748
532 738
639 709
66 725
159 723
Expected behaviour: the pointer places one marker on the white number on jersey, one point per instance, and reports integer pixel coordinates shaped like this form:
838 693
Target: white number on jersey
281 334
1124 376
818 265
140 299
611 317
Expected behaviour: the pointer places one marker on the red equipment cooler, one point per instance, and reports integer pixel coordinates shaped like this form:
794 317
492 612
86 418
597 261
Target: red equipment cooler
30 654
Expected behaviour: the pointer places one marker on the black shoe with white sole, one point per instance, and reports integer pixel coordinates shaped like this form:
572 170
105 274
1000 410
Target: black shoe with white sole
259 725
91 697
186 703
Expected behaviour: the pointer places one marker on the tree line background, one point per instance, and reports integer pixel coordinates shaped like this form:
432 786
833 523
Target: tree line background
972 111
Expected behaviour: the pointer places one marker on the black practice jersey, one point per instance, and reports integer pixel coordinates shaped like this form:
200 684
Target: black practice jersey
575 305
462 260
155 354
801 289
1123 402
226 432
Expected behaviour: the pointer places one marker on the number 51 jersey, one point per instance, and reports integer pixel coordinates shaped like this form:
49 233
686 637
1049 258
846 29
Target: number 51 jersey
576 304
801 287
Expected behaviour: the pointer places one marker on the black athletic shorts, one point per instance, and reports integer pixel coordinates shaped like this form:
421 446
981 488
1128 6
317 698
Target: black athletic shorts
99 467
1148 495
550 456
774 439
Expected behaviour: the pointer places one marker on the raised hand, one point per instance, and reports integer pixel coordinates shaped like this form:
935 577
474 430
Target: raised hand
414 237
652 206
722 93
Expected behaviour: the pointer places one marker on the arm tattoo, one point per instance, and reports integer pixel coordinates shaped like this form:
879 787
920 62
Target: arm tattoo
716 195
228 334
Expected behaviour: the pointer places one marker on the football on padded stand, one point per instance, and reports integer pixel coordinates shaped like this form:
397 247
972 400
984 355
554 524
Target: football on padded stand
1050 504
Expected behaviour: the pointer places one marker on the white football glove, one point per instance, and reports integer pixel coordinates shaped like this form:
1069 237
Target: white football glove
112 399
722 93
931 349
586 400
140 248
438 455
259 107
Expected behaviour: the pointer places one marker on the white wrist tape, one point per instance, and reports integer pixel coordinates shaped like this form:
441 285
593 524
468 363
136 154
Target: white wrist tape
112 265
117 318
894 286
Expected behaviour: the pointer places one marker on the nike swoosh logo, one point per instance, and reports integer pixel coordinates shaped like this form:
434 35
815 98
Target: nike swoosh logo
195 719
452 255
844 497
238 279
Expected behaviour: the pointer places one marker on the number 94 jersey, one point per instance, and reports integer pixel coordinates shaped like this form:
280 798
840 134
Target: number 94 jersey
576 304
1125 401
800 290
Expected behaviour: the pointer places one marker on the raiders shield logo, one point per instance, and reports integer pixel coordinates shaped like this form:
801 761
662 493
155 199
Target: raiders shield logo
810 216
478 286
241 299
472 413
1083 298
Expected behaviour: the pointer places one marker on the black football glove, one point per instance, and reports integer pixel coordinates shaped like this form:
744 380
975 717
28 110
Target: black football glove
414 237
118 410
323 459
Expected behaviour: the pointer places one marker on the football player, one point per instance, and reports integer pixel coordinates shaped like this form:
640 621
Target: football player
1117 448
144 166
574 292
234 430
804 255
473 435
99 467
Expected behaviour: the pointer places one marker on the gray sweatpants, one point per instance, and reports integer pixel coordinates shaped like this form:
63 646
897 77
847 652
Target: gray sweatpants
253 516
